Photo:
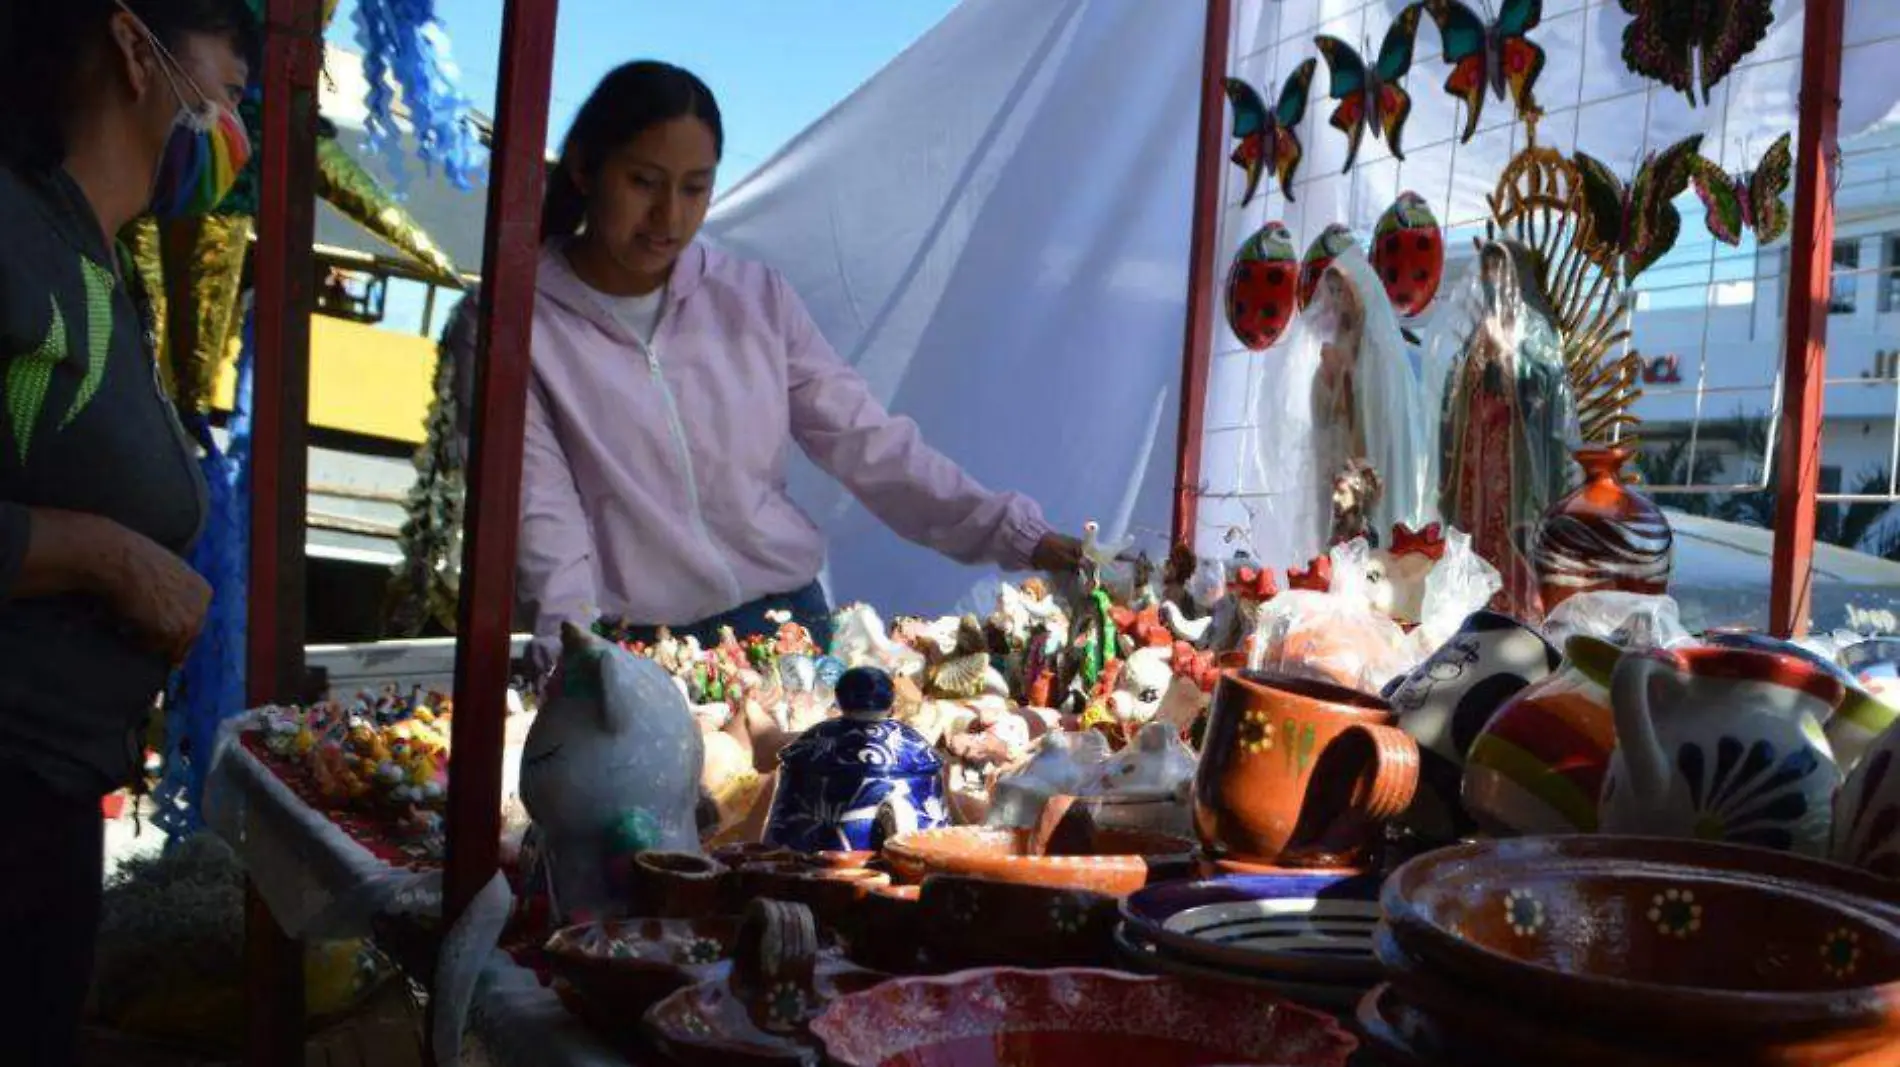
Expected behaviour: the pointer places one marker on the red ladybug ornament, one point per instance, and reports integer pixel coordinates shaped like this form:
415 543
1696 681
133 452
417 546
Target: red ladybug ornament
1408 251
1261 287
1320 254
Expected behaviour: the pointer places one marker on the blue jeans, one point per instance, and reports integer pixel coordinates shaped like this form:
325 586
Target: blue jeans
808 607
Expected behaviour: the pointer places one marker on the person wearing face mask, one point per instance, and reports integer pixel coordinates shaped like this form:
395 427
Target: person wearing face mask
669 382
117 107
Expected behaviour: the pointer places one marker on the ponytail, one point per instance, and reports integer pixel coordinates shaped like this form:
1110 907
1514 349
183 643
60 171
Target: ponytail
564 207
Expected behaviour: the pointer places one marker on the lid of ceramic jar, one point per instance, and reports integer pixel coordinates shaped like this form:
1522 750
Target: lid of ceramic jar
865 740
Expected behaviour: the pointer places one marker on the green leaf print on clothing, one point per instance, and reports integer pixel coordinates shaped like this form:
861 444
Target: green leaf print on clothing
99 286
29 376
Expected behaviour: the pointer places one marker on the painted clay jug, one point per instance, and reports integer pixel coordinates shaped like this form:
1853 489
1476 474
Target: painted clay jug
1867 810
1722 744
1603 535
1537 767
611 767
848 783
1446 701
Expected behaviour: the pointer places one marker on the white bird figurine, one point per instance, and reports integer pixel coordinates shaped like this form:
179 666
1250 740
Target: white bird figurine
1093 550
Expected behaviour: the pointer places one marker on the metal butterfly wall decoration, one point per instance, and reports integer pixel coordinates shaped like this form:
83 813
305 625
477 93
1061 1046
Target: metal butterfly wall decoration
1495 56
1270 140
1666 38
1372 96
1632 226
1751 200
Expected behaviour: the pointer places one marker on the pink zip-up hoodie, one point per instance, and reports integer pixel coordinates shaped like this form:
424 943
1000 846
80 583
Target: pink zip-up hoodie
653 479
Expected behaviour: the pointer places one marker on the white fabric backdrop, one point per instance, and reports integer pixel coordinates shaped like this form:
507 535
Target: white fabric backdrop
1591 101
994 229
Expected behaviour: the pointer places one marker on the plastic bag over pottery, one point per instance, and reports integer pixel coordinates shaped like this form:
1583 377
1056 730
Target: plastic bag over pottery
1460 583
1628 620
1336 636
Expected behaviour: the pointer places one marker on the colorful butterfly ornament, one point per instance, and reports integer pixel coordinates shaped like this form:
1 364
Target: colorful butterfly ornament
1371 96
1747 201
1270 139
1665 38
1262 286
1633 226
1325 248
1408 251
1496 56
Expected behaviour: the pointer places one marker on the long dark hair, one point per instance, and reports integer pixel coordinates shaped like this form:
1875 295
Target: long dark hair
627 102
44 43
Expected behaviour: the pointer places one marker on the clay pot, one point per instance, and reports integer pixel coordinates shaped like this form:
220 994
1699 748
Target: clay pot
1298 773
884 932
616 969
1602 536
1101 860
974 922
1537 767
676 885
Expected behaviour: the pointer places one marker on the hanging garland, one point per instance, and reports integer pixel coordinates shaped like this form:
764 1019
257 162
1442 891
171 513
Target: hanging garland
403 40
424 585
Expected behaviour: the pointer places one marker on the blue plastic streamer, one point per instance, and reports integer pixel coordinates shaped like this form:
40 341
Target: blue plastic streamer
209 689
403 40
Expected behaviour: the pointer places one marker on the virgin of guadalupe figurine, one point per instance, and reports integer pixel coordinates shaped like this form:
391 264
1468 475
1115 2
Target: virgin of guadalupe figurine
1509 419
1369 409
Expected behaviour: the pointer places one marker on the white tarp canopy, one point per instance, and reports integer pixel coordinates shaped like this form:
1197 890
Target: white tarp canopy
995 228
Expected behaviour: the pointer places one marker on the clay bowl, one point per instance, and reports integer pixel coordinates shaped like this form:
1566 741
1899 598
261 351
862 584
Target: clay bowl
618 968
1295 926
1070 1018
1676 952
676 885
1111 861
832 893
885 934
974 922
1387 1025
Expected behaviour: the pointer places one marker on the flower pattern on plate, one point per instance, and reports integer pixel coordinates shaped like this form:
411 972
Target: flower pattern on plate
701 950
1524 912
1675 913
1840 953
1068 913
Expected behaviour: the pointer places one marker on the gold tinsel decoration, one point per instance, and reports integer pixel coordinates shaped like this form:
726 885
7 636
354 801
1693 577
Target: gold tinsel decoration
204 264
1539 203
354 191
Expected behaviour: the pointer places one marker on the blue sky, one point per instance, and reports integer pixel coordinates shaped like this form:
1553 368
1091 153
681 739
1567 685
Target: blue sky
775 65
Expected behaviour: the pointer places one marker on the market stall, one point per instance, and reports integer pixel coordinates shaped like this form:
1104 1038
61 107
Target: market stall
1436 753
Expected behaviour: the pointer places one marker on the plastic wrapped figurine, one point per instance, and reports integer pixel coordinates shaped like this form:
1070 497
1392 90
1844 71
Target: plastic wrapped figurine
1509 419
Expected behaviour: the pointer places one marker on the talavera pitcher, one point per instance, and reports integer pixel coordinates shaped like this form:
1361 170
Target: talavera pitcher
1722 744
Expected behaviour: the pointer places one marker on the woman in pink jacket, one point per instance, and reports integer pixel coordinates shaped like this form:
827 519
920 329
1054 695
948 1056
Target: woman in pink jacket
670 381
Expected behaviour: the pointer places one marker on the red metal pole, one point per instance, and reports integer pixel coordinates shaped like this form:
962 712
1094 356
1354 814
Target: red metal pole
512 248
284 273
1811 261
1197 345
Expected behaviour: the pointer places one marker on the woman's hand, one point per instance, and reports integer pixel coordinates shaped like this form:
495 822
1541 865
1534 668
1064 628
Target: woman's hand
1057 554
150 589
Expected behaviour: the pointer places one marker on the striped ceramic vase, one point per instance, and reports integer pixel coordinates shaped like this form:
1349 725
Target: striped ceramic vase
1603 536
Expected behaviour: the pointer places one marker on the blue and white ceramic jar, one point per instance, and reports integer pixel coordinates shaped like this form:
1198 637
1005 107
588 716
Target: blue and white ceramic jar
852 782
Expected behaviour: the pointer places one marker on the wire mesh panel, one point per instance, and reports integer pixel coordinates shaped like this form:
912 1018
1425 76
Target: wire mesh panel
1706 320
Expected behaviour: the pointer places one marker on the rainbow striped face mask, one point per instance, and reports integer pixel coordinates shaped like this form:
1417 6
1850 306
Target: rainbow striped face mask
207 148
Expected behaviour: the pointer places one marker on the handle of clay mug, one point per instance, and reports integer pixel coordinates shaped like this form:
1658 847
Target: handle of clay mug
778 944
1395 771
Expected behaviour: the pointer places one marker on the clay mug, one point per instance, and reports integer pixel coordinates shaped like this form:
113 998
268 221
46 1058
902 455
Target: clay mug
676 885
1298 772
1722 744
776 952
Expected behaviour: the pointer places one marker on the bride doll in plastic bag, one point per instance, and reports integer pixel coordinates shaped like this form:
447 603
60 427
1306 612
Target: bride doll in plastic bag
1292 511
1495 363
1336 636
1368 402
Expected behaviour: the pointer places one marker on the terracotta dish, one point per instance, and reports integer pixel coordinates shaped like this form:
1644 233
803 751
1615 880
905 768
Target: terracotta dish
1103 860
617 969
1676 951
1073 1018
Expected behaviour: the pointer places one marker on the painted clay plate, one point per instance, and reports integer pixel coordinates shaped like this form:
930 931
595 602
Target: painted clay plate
1063 1018
1136 953
1310 926
1122 861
